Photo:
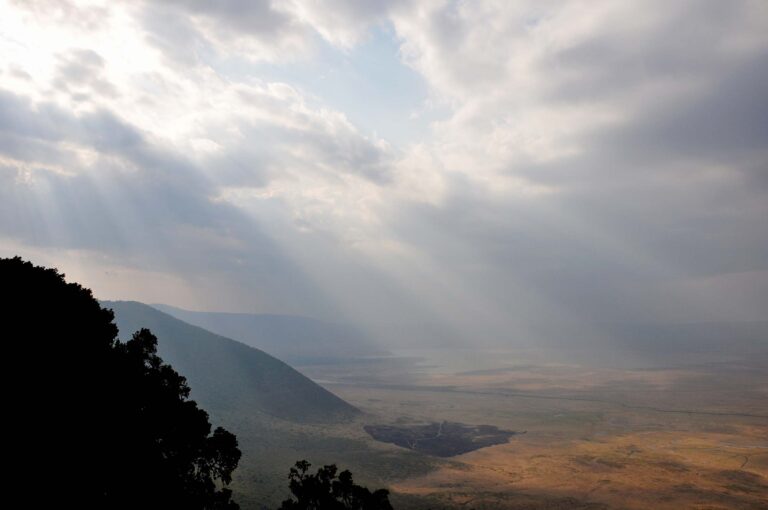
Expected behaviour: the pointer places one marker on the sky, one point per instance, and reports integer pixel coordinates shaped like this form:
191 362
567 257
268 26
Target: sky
482 166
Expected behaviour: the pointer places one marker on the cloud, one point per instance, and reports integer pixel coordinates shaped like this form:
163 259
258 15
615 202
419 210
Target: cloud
140 206
586 162
80 74
187 30
85 17
641 129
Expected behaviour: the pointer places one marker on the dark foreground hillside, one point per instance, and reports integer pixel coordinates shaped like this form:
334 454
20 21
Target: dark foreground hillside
226 375
95 422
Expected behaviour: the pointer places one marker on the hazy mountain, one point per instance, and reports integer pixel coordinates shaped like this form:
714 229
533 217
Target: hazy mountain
292 338
227 375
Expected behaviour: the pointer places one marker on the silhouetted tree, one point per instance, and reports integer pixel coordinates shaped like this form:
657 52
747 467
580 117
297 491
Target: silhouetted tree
325 491
97 423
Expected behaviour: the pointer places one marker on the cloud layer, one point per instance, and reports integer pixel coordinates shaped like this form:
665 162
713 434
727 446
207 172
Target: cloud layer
582 162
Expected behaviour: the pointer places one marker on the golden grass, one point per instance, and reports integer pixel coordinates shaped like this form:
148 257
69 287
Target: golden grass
636 470
593 453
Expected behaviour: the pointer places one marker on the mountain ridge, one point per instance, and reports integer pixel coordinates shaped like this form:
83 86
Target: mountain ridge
225 374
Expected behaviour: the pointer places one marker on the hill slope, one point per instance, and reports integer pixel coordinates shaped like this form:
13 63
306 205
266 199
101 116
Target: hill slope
226 375
296 339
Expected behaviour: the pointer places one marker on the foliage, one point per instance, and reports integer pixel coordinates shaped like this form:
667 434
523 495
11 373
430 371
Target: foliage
325 491
103 424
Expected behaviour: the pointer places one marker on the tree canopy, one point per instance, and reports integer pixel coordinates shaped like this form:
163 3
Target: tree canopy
325 490
98 423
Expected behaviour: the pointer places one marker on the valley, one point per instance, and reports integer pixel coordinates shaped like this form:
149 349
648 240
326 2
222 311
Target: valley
670 437
485 429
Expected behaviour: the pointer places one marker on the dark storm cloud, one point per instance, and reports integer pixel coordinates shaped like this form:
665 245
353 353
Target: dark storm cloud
691 39
684 179
725 123
688 90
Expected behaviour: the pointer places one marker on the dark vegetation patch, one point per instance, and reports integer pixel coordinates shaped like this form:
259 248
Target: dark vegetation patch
441 439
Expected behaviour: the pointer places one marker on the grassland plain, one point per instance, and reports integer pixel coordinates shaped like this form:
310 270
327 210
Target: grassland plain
681 436
675 437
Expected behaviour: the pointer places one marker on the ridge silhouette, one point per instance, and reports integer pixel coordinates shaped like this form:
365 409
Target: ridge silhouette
94 422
